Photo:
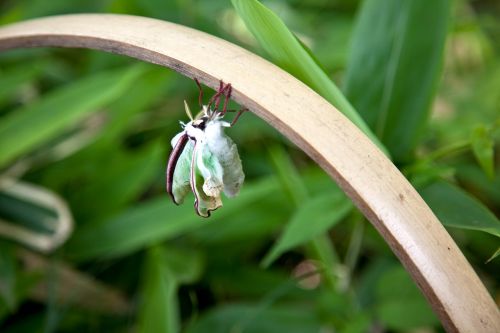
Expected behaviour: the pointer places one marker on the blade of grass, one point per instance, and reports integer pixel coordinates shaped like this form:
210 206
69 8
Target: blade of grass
494 255
483 147
313 218
456 208
320 245
27 128
12 79
287 52
394 67
153 221
159 309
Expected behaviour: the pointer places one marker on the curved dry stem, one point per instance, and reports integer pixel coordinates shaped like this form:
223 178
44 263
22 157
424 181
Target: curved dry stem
62 224
375 185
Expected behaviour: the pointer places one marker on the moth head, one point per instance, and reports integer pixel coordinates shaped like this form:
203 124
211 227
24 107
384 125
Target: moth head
200 123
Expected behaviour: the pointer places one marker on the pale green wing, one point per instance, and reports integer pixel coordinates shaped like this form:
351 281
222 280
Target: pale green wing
226 153
182 173
211 170
203 204
233 170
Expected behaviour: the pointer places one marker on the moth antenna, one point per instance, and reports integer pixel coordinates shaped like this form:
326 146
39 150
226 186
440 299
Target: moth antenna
188 111
202 113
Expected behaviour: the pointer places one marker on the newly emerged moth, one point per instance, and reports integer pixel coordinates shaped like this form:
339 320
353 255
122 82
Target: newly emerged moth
204 160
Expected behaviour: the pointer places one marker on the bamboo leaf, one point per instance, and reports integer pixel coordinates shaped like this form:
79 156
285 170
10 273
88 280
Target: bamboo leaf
159 309
27 128
251 318
124 177
483 148
164 271
12 79
153 221
394 68
313 218
287 52
494 255
400 305
456 208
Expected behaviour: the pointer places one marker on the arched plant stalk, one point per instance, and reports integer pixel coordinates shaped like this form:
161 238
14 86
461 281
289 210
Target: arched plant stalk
374 184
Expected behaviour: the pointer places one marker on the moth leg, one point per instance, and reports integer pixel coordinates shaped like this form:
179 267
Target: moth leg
235 119
226 100
216 97
193 182
200 96
218 94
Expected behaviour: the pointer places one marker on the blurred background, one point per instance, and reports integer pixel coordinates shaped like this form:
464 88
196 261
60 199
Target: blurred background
90 242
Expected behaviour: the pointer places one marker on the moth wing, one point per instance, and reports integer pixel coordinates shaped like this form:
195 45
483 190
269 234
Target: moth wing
226 152
233 171
176 139
182 174
203 203
211 170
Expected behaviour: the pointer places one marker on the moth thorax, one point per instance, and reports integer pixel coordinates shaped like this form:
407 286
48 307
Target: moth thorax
215 130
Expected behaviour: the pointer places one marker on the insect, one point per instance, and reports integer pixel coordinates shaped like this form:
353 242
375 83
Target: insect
204 159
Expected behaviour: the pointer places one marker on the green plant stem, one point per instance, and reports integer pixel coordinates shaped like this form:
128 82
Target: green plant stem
355 244
454 148
321 248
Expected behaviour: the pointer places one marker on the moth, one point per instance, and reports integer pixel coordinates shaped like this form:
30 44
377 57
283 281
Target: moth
204 159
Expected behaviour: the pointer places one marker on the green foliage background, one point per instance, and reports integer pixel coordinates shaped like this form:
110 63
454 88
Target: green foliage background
290 253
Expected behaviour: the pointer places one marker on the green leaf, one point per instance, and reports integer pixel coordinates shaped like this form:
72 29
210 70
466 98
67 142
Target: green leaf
252 319
475 180
483 148
494 255
8 278
288 53
359 324
16 282
313 218
153 221
262 219
400 304
185 264
288 175
456 208
394 66
123 178
12 79
165 270
27 128
159 309
34 216
320 246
